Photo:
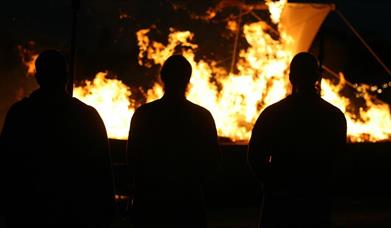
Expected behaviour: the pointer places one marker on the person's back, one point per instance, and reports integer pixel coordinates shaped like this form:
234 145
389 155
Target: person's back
292 149
172 148
56 154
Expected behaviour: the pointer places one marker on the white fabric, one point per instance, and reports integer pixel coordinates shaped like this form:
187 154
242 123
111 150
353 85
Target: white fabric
302 21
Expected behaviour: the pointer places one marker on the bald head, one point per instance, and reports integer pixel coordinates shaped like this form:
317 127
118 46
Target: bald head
175 74
51 70
304 71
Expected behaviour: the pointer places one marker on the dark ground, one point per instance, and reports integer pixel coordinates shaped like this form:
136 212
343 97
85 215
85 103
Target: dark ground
362 198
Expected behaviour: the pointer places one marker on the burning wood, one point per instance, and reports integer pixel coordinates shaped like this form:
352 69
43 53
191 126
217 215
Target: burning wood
241 5
234 99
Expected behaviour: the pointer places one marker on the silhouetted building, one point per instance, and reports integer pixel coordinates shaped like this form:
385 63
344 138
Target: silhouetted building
172 149
55 156
292 148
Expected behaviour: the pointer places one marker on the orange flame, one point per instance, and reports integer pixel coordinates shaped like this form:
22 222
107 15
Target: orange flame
232 25
28 57
234 99
275 9
261 81
110 97
372 123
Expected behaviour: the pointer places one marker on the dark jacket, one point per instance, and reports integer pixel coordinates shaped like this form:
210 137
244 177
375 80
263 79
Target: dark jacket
56 163
292 148
172 149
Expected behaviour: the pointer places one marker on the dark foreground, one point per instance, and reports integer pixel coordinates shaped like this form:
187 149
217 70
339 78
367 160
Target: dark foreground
363 196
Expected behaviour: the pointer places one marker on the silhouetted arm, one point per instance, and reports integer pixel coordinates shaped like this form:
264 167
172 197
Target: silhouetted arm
212 155
342 136
8 137
104 176
339 159
11 128
132 147
259 151
339 138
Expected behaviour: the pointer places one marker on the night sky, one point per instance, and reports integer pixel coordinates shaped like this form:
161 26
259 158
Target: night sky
106 41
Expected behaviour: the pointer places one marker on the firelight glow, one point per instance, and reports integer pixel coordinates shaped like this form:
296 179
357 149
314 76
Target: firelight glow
234 99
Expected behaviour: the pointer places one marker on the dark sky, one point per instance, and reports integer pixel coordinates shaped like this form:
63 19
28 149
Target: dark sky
106 42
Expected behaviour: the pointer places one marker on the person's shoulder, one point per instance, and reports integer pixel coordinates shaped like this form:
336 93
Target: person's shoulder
83 107
276 107
20 106
198 109
331 109
272 113
147 107
80 104
147 110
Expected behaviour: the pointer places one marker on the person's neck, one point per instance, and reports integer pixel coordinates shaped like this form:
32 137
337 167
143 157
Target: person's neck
55 92
305 91
173 96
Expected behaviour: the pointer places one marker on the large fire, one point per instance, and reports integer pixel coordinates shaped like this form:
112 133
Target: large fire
110 97
234 99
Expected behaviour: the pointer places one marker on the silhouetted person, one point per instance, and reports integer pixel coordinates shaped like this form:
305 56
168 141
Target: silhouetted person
172 148
292 148
56 156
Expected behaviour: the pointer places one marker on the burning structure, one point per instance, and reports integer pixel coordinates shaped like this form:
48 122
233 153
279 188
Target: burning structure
258 76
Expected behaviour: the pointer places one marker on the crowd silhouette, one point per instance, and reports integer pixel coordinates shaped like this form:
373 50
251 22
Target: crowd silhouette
57 171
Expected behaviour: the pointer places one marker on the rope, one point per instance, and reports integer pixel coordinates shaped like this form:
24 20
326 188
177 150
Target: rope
270 27
363 41
351 85
235 49
336 75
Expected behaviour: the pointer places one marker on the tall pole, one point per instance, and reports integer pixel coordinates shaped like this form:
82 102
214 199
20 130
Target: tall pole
320 57
72 62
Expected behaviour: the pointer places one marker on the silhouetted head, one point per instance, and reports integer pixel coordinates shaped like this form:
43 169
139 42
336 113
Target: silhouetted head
304 72
175 74
51 70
